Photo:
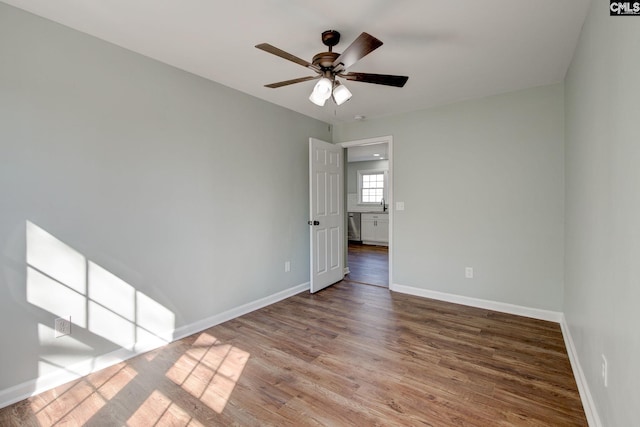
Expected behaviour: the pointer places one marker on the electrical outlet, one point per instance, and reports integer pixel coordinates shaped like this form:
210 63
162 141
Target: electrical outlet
287 266
62 327
399 206
605 371
468 272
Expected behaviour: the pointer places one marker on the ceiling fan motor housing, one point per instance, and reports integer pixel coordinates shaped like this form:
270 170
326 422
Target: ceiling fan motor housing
325 60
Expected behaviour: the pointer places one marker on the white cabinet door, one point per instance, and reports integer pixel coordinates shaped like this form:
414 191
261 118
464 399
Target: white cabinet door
382 229
367 228
375 228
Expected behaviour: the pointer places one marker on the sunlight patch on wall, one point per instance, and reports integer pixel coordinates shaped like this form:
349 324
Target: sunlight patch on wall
209 371
154 318
107 324
58 260
54 297
108 290
63 282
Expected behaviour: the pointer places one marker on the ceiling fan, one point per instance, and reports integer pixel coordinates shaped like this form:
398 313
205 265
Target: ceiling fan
330 65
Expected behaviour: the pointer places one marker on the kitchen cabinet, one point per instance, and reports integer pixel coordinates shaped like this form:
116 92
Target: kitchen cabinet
375 228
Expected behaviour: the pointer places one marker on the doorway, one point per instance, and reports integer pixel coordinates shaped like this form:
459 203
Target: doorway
368 190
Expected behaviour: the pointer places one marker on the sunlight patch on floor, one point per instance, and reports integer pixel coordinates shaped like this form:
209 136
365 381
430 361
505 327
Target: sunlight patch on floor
209 371
159 410
82 400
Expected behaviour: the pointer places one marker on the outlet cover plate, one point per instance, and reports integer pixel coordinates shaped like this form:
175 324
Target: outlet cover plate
468 272
62 327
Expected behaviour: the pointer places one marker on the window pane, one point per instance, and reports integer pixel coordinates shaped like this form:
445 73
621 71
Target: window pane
372 188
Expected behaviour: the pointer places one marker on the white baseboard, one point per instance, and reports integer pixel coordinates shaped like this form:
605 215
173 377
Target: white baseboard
583 387
518 310
201 325
46 382
375 243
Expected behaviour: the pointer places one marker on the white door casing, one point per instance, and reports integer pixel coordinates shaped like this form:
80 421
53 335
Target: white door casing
326 220
383 140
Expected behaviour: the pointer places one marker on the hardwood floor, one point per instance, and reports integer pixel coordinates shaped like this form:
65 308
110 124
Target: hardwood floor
368 264
349 355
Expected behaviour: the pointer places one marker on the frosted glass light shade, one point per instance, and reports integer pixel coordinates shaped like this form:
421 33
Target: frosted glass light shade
341 94
321 92
317 99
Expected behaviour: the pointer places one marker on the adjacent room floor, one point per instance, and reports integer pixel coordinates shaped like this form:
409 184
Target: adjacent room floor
351 354
368 264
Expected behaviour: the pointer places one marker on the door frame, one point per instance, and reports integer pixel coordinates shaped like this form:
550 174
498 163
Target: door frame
388 139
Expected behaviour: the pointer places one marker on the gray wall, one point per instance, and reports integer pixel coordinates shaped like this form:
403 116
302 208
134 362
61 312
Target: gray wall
602 284
182 191
482 183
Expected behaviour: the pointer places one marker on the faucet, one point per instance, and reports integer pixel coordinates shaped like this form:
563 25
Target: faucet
384 205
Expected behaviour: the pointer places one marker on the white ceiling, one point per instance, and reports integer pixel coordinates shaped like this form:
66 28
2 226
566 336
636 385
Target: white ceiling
451 50
368 152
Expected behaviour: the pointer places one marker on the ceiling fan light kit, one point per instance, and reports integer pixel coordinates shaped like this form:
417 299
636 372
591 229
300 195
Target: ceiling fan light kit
330 65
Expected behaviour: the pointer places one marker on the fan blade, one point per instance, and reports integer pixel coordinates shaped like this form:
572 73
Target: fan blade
379 79
361 47
289 57
292 81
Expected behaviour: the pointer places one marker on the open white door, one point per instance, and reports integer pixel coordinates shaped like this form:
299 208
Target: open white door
325 210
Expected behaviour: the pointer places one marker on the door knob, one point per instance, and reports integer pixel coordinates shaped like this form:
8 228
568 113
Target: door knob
313 222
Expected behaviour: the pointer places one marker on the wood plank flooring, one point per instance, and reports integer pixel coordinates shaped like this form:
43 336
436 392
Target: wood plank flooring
368 264
351 354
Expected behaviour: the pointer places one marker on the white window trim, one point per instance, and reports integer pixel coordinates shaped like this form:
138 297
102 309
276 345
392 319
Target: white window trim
372 172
